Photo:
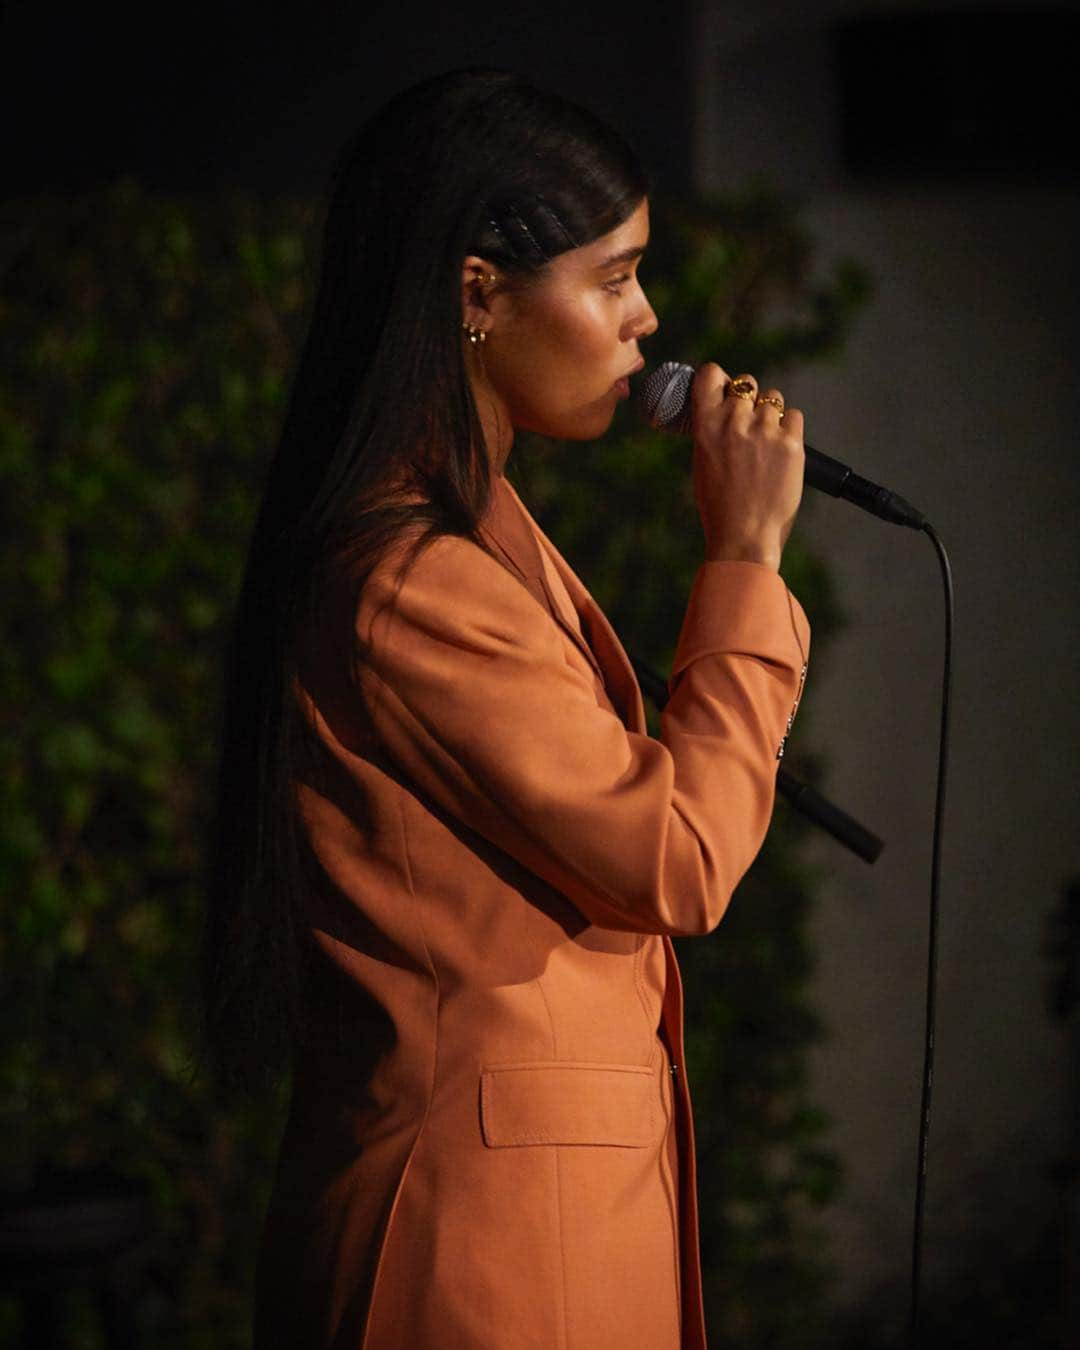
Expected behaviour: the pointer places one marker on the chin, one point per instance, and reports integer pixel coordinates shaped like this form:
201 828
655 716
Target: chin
584 428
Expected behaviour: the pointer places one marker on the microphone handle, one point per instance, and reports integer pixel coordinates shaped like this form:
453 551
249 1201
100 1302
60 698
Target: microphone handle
666 403
843 828
829 475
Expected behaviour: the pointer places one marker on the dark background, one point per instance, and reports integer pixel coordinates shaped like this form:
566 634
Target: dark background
260 98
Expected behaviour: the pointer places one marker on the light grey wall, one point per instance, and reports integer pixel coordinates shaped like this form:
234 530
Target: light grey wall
958 389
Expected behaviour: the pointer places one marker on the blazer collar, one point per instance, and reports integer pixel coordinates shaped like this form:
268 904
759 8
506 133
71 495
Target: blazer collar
518 540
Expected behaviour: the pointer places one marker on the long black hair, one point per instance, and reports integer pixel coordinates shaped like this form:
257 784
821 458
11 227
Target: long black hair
472 162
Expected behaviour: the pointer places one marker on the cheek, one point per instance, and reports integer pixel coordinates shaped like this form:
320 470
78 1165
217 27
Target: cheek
592 328
557 368
574 319
583 341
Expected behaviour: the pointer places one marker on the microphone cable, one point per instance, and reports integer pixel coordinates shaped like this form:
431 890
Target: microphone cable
931 956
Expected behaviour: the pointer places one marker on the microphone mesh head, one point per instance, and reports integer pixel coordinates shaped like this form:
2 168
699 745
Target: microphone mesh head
664 398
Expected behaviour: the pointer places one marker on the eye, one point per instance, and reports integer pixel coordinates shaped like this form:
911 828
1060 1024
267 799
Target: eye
615 284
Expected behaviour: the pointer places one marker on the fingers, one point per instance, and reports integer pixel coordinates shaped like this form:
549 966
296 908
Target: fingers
707 400
748 470
767 406
770 400
718 396
707 389
770 407
792 422
739 398
744 387
715 392
709 380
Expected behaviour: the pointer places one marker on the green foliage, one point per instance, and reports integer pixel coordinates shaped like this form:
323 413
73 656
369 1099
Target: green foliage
147 346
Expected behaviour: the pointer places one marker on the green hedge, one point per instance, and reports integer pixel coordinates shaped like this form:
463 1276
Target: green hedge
147 347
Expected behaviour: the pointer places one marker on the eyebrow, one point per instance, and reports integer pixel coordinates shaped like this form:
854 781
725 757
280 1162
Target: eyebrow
627 255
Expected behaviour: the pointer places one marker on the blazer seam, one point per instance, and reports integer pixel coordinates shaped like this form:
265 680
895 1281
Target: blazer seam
403 800
565 1332
403 804
639 985
558 1179
539 982
400 1187
669 1107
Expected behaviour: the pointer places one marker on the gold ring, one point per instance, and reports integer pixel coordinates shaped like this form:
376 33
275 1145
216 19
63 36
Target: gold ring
743 386
778 403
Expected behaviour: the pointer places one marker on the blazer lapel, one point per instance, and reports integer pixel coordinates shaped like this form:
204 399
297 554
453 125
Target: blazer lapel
519 538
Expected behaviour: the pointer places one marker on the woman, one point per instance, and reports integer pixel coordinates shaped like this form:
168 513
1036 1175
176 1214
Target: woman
449 858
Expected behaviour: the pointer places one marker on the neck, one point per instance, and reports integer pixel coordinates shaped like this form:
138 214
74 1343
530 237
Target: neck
494 420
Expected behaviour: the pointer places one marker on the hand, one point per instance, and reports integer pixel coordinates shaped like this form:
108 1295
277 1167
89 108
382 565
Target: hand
747 469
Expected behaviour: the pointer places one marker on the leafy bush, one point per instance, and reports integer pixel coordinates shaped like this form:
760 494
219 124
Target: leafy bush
147 346
146 351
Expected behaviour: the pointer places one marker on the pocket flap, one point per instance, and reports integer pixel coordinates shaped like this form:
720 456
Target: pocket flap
570 1103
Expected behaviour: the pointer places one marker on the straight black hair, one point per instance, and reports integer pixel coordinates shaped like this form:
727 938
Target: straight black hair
381 438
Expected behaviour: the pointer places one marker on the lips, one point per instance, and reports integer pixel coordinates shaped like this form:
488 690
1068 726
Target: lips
622 384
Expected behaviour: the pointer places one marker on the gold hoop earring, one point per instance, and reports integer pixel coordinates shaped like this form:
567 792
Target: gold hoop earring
477 336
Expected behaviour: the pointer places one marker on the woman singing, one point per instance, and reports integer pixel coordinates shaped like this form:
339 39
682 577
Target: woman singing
449 858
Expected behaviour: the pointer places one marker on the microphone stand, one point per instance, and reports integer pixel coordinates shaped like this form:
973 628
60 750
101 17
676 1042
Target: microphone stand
845 829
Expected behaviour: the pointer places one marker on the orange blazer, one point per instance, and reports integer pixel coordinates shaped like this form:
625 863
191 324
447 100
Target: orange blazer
490 1144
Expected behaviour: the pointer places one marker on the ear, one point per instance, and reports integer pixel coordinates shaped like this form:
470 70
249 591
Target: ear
479 280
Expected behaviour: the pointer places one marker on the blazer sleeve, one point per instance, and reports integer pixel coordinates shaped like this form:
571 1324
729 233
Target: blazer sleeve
472 696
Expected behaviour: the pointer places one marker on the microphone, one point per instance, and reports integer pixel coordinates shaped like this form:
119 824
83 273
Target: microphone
664 401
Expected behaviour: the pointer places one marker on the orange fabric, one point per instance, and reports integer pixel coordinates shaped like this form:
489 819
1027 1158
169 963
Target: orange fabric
486 1148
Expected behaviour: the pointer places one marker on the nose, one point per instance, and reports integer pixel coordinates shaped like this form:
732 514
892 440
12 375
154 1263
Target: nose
645 322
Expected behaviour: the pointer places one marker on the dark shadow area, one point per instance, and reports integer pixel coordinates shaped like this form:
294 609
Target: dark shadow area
960 95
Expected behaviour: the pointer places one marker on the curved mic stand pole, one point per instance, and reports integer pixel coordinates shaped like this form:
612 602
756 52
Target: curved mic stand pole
805 799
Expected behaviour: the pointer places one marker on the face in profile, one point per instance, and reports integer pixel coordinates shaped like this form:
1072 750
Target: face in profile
560 347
